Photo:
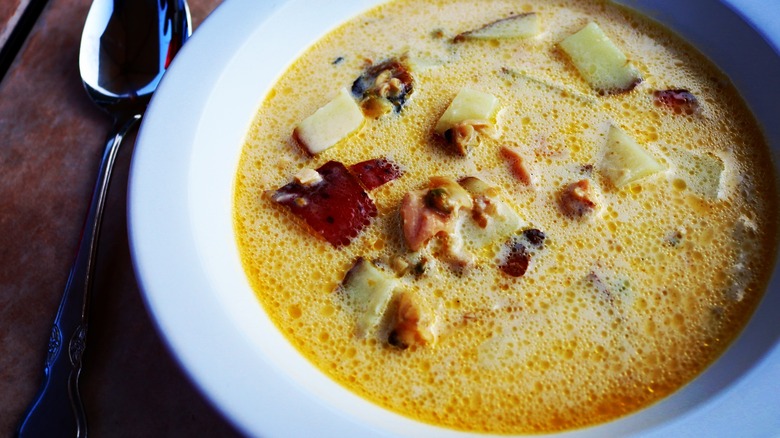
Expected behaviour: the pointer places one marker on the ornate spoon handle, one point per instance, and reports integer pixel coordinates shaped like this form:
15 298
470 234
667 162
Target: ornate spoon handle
57 409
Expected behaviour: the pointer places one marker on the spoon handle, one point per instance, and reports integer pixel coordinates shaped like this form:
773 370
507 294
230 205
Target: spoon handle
57 409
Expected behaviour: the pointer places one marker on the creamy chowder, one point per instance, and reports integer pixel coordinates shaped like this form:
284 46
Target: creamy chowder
570 215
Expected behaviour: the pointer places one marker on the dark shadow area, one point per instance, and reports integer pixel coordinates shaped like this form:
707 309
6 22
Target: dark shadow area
19 34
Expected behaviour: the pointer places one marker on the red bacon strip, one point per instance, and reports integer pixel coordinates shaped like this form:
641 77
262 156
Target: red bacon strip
336 208
376 172
680 101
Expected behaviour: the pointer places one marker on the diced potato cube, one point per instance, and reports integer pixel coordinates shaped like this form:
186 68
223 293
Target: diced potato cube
493 219
746 233
370 290
516 26
329 124
600 62
701 171
503 224
467 105
625 161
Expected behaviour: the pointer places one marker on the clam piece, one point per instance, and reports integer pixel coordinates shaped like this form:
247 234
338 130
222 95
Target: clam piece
577 199
410 322
383 88
428 212
517 165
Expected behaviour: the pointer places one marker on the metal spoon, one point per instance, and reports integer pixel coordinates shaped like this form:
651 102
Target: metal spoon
126 47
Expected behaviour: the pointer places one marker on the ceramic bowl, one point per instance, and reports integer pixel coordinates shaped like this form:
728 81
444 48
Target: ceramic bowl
188 266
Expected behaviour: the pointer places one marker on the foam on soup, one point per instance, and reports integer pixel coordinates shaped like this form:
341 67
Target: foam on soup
617 309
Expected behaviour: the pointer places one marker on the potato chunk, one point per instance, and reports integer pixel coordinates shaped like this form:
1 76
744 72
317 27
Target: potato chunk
466 119
625 161
492 218
369 290
702 172
467 105
517 26
600 62
329 124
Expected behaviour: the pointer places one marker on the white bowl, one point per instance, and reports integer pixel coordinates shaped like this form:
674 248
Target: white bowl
188 266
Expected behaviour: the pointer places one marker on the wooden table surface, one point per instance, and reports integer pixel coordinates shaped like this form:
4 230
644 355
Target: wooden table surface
51 140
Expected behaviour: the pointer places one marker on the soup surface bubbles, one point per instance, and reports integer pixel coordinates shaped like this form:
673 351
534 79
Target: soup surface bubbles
578 253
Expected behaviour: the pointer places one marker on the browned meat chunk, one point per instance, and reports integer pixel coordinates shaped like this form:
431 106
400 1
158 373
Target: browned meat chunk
515 264
332 203
577 199
376 172
518 251
516 165
679 101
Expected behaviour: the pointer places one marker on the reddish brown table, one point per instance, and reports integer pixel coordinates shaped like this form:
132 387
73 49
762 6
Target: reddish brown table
51 138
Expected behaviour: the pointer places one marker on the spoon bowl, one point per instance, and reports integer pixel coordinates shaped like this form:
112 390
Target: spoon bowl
126 47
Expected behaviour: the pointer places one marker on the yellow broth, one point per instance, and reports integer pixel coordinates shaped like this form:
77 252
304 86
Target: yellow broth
551 350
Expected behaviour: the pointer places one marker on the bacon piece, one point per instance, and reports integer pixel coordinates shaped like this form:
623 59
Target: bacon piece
376 172
535 237
336 208
577 199
516 165
517 258
680 101
518 251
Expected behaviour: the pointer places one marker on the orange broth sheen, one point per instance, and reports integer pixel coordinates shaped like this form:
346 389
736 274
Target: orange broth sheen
551 350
